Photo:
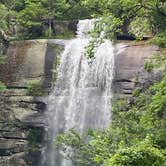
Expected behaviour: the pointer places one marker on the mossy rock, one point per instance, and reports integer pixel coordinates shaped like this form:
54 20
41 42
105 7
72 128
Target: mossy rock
35 88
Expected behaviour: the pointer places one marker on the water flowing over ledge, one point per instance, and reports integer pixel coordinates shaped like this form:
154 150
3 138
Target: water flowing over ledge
81 97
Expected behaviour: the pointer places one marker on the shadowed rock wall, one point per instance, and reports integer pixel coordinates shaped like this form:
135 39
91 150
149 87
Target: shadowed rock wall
21 113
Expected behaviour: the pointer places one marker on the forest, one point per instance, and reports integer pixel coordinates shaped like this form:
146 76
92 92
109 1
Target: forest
33 15
137 133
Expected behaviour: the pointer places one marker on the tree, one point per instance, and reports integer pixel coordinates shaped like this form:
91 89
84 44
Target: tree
53 10
138 155
30 18
8 15
127 11
36 15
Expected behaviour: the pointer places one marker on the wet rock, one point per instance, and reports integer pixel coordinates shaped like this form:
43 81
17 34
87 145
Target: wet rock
10 146
21 113
13 160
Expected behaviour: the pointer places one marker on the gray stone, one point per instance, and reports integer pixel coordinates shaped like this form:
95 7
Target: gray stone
129 67
10 146
29 60
20 112
14 160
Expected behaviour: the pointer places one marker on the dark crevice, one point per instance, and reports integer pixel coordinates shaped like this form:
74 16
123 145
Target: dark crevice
121 80
12 138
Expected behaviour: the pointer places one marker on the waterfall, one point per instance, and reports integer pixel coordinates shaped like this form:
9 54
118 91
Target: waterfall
81 97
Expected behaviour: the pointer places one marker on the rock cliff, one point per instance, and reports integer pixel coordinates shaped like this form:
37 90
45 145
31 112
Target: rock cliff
29 74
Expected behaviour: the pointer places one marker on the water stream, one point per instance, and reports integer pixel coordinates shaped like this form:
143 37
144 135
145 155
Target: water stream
81 97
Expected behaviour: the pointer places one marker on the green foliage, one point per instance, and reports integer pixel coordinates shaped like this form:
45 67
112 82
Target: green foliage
39 15
136 135
3 15
148 66
138 155
30 18
8 11
92 46
157 61
140 27
151 14
136 92
2 61
103 29
83 153
106 27
33 16
160 39
2 86
139 18
35 88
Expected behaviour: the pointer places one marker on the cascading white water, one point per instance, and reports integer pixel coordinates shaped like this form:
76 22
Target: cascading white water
81 98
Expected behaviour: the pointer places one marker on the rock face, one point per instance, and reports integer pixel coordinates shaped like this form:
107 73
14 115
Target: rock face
130 73
22 108
28 60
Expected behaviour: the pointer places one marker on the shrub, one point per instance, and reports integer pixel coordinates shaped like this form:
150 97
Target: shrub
143 154
160 39
148 66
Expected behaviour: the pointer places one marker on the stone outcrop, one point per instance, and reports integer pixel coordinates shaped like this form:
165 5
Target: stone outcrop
130 73
29 60
22 108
